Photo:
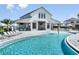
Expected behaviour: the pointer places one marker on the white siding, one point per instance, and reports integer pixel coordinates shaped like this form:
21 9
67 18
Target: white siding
35 15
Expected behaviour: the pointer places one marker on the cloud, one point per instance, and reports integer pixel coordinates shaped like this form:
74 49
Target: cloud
10 6
23 5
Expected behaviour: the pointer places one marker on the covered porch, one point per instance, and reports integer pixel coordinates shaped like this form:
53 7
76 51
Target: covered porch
34 25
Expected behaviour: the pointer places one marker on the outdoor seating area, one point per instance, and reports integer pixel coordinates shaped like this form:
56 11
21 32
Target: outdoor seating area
8 30
9 34
38 29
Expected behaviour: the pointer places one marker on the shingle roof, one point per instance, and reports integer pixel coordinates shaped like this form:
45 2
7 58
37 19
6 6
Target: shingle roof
55 21
34 11
72 19
23 21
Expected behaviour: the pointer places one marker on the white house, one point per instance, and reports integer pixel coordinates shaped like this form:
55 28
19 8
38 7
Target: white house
39 19
73 23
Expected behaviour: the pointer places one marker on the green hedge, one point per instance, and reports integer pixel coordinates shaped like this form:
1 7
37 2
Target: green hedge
1 30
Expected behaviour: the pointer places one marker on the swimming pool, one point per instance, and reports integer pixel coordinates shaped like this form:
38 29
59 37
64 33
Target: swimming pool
47 44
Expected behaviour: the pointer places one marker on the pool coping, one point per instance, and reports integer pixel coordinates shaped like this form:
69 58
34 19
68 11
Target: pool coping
71 46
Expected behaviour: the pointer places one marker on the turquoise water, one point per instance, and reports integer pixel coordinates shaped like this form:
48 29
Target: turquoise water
48 44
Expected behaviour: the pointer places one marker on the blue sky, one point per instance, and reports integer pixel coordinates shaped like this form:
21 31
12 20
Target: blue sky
60 12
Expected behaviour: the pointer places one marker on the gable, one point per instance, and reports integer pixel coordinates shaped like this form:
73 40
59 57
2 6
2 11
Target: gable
39 10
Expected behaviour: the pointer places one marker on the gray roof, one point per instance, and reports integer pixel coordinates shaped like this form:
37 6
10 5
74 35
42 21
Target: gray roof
23 21
72 19
55 21
34 11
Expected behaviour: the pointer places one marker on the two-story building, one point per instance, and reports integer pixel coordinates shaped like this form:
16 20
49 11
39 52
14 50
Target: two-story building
39 19
73 22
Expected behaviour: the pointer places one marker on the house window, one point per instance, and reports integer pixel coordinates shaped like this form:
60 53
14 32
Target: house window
21 23
48 25
72 22
34 25
44 15
39 15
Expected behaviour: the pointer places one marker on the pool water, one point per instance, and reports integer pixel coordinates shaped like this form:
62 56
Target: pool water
47 44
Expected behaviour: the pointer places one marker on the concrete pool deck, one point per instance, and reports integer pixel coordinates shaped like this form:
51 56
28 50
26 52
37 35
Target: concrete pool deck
73 41
6 41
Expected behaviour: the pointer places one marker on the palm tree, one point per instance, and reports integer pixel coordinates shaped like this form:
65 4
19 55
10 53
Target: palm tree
7 22
78 15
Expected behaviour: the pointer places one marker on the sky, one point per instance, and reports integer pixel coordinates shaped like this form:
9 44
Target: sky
59 12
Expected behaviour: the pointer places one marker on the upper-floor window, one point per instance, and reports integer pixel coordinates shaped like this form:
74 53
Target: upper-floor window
41 15
44 16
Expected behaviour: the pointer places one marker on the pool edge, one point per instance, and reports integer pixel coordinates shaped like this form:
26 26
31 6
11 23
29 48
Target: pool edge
70 45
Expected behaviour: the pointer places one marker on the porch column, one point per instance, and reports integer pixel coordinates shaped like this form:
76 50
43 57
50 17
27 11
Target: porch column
31 25
50 25
46 25
37 25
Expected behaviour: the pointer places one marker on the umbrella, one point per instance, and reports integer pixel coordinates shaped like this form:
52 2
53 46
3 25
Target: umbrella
14 24
69 25
63 25
2 24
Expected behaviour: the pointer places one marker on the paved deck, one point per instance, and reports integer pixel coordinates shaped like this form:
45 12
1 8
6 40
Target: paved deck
73 41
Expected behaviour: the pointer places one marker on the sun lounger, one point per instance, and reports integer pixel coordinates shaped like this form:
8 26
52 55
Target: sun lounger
6 34
11 33
1 37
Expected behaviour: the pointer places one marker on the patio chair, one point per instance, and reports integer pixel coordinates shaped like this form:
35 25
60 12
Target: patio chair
1 37
6 34
12 33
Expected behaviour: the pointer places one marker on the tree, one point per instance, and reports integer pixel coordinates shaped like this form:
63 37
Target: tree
78 15
7 22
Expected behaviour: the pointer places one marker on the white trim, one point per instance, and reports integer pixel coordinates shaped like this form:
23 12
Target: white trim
31 26
36 25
